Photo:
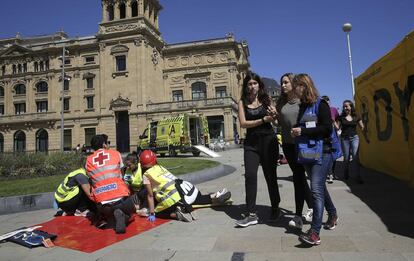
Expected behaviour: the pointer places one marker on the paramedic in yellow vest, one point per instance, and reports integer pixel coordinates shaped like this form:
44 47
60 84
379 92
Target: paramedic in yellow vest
109 190
140 186
174 196
73 195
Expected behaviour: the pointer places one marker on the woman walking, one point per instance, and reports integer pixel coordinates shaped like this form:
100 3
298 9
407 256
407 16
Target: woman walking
348 122
260 146
314 152
287 107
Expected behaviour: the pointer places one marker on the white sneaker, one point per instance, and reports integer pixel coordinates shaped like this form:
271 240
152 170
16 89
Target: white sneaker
296 222
330 179
221 196
220 192
308 215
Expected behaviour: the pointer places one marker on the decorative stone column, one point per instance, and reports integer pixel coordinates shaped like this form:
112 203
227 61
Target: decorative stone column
104 12
228 125
146 9
128 11
140 7
116 11
156 20
151 12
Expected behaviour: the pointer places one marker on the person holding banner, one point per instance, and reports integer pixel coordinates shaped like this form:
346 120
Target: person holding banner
348 122
312 136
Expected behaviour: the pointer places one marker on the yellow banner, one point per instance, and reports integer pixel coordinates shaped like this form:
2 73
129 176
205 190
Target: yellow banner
384 99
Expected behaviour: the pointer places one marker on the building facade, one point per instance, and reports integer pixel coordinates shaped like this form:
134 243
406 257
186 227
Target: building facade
115 82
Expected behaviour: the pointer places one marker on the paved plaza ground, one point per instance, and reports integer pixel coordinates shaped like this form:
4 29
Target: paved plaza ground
375 223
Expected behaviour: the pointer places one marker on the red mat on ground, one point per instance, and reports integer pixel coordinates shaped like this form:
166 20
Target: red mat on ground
77 232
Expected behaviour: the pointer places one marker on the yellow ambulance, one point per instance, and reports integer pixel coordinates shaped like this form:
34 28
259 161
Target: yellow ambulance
176 134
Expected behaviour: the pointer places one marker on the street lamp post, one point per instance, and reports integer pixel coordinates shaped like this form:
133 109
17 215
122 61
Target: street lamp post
347 29
62 96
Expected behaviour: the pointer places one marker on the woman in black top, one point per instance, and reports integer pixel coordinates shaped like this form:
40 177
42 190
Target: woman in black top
260 146
348 122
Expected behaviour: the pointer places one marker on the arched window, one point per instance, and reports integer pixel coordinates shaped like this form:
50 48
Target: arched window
1 143
1 91
198 90
41 87
110 11
42 140
20 89
134 9
19 141
122 11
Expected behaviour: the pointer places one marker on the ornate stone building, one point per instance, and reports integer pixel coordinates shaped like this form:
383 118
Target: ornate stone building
115 82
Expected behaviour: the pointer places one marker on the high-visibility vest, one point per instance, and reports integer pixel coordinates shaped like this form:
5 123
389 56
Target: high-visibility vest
134 180
65 192
165 193
104 169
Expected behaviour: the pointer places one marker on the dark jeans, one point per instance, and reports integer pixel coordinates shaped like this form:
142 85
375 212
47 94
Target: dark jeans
350 144
300 184
141 195
320 194
80 202
263 150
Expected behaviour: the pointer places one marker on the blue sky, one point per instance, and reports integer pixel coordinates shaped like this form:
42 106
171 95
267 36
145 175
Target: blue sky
283 36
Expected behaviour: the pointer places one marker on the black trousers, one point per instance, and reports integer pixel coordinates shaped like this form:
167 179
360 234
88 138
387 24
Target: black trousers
200 200
80 202
300 184
264 150
126 204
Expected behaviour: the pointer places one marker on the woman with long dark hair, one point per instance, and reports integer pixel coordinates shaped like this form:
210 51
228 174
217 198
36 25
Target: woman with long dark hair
260 146
287 107
348 121
314 152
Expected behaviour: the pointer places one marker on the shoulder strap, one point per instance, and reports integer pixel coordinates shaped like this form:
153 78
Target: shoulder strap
318 102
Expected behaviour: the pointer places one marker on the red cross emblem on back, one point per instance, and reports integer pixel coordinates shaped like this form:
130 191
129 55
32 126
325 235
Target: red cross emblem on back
100 158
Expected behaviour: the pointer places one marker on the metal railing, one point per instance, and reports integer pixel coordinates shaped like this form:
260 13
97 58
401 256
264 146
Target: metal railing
193 104
28 117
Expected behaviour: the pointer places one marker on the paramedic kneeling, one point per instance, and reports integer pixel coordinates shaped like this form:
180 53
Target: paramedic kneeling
174 196
73 195
109 190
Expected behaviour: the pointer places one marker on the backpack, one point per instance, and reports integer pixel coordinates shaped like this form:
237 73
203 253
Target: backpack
336 145
309 150
188 193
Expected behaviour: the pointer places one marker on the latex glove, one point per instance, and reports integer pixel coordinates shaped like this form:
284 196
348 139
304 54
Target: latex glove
151 218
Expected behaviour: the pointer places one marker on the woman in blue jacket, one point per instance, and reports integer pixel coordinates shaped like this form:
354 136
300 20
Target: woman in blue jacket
312 136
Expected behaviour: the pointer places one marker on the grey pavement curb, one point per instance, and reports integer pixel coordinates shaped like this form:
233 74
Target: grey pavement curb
32 202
